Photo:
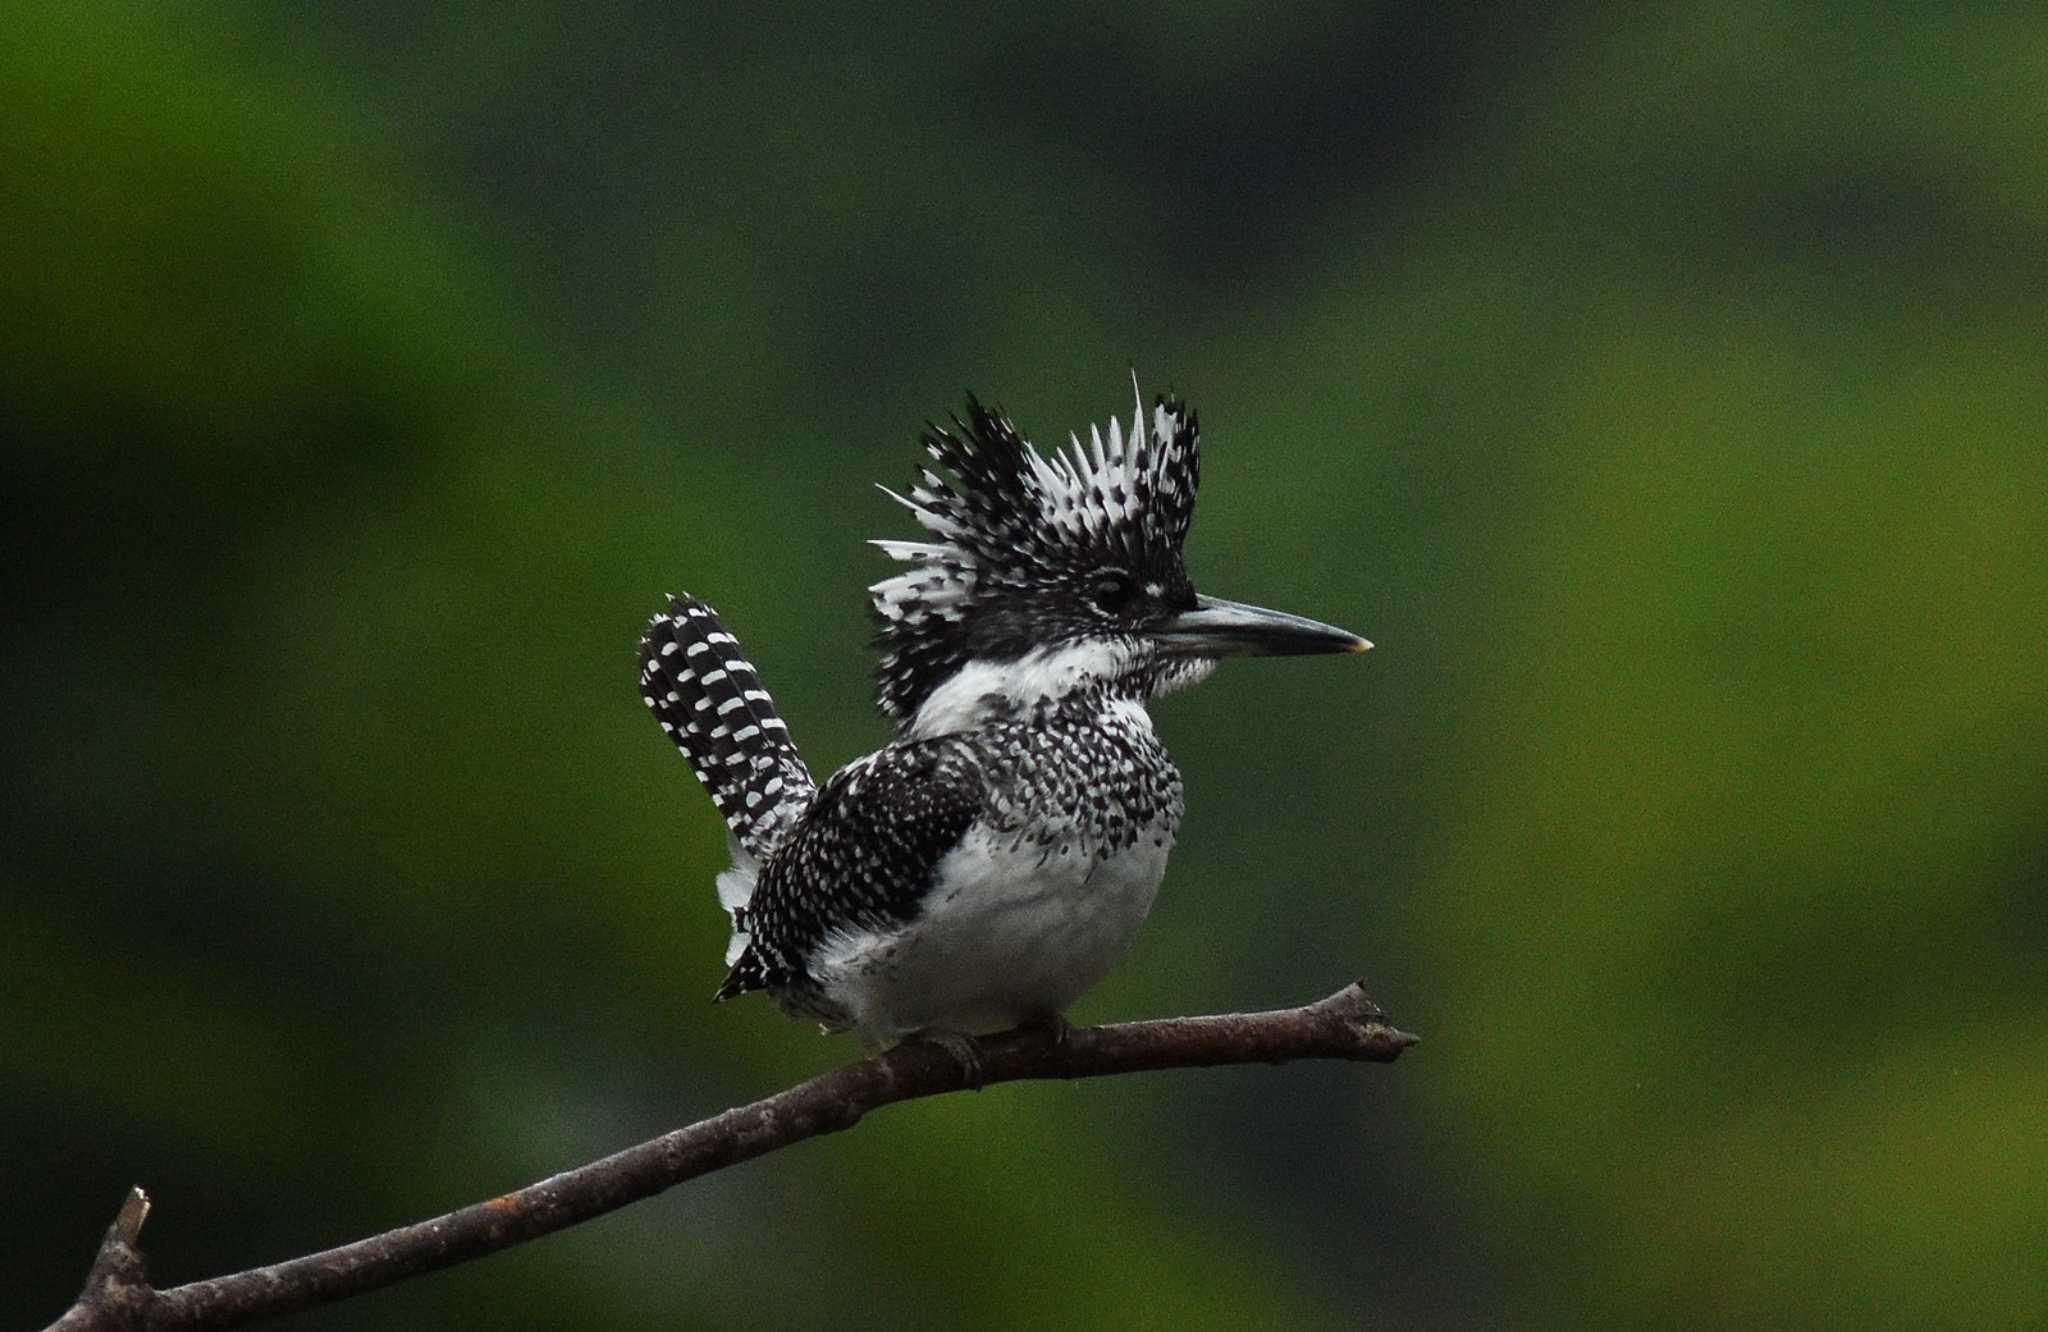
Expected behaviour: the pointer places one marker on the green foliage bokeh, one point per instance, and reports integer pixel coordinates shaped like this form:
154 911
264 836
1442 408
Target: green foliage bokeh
1662 391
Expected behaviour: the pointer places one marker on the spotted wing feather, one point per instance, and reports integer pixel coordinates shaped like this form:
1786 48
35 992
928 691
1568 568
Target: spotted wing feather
861 858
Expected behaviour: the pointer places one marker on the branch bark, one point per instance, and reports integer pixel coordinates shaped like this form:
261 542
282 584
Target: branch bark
117 1294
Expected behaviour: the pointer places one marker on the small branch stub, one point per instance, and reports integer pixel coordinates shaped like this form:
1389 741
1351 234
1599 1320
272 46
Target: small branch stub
1347 1025
117 1293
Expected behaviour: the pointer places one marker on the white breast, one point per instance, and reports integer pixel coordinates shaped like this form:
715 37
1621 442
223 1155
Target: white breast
1010 932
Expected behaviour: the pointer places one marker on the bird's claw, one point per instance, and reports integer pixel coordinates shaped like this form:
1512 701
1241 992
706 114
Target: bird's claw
965 1053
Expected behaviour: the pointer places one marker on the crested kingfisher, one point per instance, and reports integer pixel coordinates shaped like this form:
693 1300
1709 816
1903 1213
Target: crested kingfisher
995 858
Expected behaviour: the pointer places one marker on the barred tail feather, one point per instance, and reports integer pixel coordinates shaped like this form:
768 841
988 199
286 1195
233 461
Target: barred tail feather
708 698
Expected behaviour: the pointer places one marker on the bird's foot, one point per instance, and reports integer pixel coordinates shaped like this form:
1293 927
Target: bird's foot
964 1051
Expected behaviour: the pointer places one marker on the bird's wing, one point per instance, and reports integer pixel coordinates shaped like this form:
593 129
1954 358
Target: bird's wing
862 857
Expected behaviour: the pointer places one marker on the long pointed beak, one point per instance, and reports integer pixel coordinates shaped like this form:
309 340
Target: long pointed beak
1219 628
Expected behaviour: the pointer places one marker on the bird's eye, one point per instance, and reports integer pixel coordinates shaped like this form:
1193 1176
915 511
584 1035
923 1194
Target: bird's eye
1113 593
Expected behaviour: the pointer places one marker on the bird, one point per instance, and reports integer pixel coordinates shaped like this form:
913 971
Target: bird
995 858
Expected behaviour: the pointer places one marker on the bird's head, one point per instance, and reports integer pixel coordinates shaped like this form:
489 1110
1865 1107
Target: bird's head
1043 574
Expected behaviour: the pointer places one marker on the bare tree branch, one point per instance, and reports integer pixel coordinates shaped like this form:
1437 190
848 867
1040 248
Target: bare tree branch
117 1294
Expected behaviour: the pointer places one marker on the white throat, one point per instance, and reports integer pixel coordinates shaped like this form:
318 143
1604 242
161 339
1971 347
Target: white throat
985 691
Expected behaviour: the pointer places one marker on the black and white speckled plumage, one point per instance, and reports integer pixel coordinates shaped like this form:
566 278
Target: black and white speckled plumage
994 859
710 700
861 858
1021 540
1066 782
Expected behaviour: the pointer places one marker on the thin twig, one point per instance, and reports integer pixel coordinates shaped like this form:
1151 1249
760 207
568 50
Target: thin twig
117 1294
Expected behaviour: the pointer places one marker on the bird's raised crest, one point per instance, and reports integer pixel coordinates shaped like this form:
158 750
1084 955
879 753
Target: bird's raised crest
1012 521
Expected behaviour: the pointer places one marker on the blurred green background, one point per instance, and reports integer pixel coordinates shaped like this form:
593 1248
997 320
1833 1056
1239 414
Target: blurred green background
1663 390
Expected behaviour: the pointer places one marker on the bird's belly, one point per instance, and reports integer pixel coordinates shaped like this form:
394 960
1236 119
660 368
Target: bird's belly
1011 931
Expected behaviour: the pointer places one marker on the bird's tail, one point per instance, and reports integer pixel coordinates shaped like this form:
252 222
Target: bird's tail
708 698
